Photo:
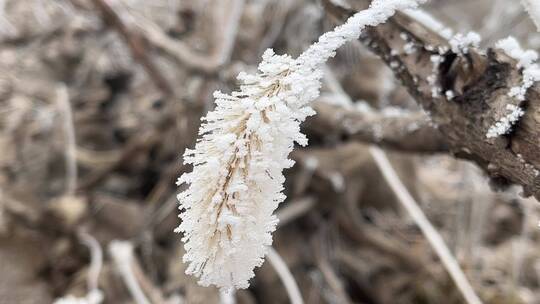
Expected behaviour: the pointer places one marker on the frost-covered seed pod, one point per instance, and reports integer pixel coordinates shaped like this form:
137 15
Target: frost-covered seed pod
238 161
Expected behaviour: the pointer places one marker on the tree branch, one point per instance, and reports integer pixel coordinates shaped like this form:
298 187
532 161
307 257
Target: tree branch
480 82
409 131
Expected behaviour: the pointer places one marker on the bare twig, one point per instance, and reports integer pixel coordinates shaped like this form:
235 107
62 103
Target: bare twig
285 275
431 234
96 259
147 286
62 98
333 281
122 253
409 131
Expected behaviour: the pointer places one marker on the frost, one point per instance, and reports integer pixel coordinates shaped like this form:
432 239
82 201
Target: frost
512 48
237 179
526 60
530 73
460 43
409 48
504 125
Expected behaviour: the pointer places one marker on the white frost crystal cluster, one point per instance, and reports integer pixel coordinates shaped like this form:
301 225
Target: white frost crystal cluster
504 125
238 161
460 43
530 73
526 60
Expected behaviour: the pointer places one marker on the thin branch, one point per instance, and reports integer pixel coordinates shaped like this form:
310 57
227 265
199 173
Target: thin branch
433 237
410 131
62 99
96 259
431 234
333 281
122 254
394 128
285 275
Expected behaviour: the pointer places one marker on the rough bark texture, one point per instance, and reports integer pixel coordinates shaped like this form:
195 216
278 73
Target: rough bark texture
480 81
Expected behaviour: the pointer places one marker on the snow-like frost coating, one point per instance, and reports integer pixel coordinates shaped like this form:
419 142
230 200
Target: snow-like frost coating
238 160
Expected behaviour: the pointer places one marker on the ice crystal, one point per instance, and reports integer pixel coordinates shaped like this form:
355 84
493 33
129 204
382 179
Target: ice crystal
526 60
504 125
460 43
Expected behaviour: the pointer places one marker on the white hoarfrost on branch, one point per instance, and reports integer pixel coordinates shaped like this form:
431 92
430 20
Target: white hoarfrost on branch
238 161
504 125
460 43
526 61
530 72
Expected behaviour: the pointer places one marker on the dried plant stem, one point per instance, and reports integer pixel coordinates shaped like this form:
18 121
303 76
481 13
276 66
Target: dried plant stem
67 118
96 259
285 275
521 245
122 253
433 237
231 30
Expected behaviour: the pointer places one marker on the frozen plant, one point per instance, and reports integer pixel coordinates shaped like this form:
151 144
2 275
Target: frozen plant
237 179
